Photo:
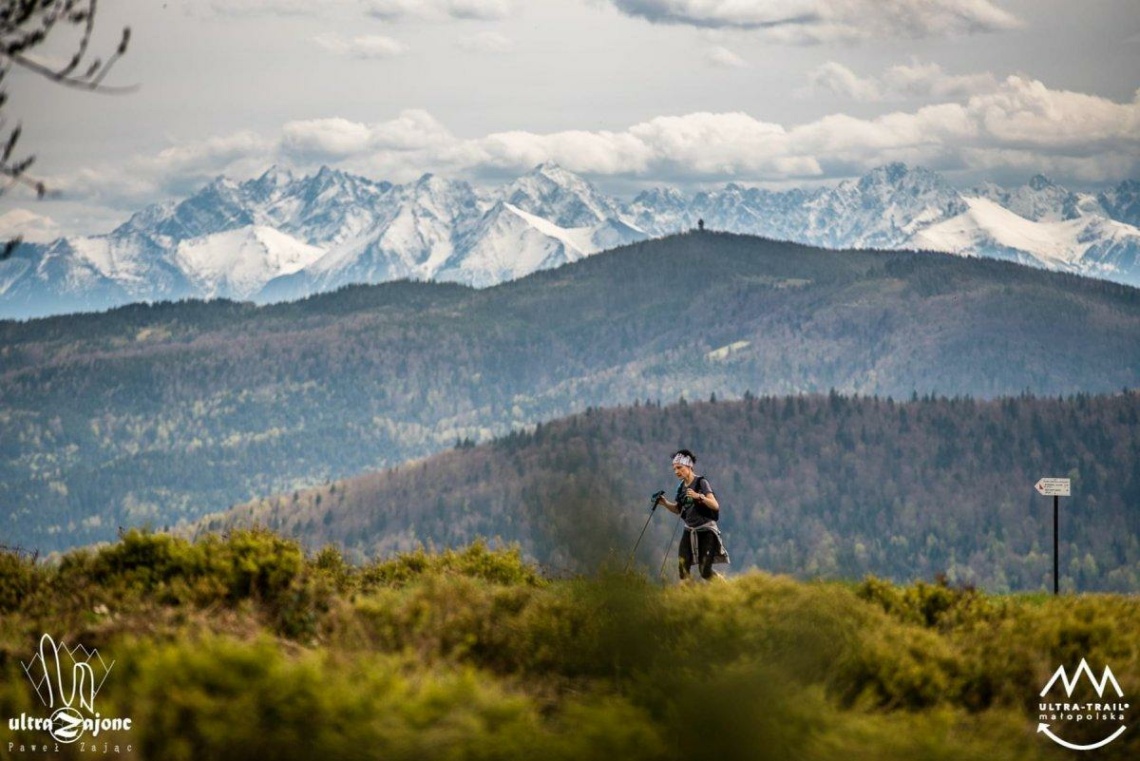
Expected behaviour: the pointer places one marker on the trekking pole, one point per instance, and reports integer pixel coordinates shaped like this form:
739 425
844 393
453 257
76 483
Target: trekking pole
665 557
652 509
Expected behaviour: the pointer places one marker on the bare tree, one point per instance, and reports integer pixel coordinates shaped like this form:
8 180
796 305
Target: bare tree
24 26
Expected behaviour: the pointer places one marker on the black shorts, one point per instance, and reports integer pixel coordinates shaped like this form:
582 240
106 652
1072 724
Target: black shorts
710 550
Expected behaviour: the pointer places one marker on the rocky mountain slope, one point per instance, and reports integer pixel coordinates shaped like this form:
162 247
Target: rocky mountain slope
282 237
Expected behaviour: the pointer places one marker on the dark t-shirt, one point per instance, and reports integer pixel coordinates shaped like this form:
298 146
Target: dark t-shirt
693 513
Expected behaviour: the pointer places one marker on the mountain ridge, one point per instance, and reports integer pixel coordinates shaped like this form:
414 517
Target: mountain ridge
159 413
365 231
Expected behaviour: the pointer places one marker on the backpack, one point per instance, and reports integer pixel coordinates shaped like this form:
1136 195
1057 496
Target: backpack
704 512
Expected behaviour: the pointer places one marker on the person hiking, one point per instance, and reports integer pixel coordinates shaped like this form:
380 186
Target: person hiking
695 502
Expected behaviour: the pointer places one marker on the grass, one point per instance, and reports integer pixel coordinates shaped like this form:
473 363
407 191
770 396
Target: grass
236 646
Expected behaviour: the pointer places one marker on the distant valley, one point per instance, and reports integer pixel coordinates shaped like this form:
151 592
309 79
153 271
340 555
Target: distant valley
157 415
818 486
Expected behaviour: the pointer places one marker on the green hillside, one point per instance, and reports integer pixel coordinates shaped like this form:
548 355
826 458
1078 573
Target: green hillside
244 647
819 487
157 414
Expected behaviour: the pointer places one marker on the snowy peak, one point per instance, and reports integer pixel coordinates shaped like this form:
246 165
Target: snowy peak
146 220
662 198
1087 244
238 263
561 196
330 184
1039 200
218 206
325 209
510 242
268 185
327 186
900 189
882 209
988 224
659 211
1122 203
419 236
446 199
398 231
739 209
281 236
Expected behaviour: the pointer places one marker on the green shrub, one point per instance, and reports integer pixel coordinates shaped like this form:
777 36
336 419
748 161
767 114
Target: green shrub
930 605
239 645
18 579
503 566
248 564
330 564
899 668
223 699
454 618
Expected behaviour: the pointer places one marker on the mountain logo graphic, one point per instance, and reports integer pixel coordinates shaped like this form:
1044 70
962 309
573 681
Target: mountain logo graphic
1071 684
1106 712
67 680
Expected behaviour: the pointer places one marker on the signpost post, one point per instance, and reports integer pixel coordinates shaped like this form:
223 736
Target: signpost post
1055 488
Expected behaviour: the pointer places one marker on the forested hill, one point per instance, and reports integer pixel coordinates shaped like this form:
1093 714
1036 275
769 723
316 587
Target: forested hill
154 414
819 486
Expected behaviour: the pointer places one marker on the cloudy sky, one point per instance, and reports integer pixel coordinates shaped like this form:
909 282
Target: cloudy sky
629 93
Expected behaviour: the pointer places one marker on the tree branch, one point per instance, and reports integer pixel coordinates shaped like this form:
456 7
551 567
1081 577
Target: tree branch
26 24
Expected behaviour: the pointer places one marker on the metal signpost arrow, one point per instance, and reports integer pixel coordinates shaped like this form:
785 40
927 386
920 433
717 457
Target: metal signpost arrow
1055 488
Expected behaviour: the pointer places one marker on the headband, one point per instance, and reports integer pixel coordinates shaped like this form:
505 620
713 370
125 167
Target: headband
683 460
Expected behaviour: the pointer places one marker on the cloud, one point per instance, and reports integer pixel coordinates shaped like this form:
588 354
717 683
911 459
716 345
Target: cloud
486 42
32 227
914 80
368 47
724 58
1020 126
174 171
478 10
256 8
388 10
839 80
1025 112
1020 117
817 21
319 141
929 80
325 139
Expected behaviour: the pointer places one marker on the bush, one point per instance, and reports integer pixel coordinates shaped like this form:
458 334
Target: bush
18 579
930 605
239 645
477 561
223 699
248 564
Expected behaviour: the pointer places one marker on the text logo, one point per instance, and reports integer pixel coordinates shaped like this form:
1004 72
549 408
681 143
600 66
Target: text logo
67 680
1102 717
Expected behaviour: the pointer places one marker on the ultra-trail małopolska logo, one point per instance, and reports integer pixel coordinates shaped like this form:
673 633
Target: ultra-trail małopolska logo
67 681
1083 722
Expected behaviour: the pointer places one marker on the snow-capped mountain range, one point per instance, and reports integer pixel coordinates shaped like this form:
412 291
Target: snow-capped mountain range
281 237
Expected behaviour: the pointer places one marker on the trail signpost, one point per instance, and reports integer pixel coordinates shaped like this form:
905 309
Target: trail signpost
1055 488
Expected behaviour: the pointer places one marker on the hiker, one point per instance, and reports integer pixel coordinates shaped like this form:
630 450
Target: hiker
698 507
